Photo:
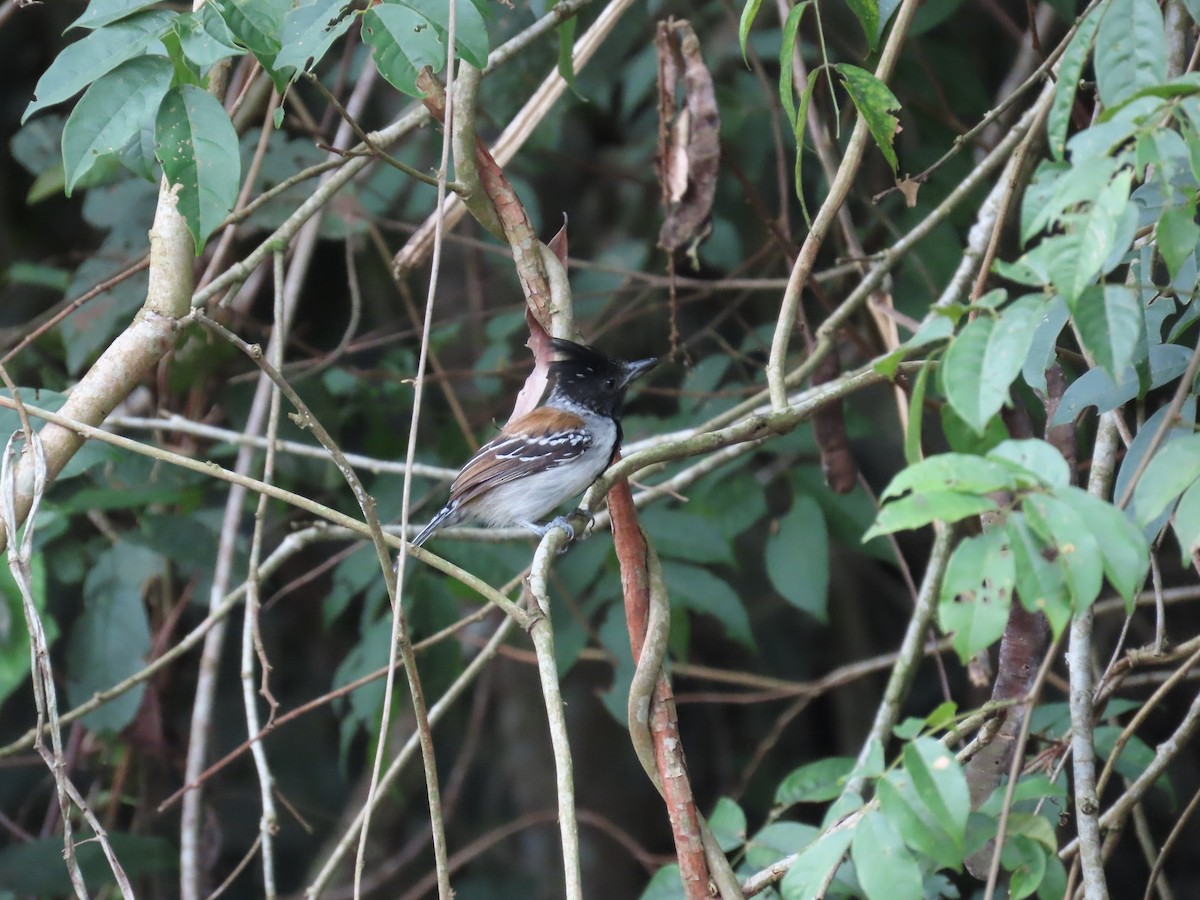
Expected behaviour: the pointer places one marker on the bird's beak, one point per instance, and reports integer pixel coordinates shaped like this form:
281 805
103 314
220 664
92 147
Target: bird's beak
636 369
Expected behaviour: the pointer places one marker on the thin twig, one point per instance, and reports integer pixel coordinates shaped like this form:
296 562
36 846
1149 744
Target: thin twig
397 765
401 642
1079 661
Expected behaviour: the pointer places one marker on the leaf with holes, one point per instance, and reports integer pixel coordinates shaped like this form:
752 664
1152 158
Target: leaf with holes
1077 550
977 591
1093 233
402 42
309 30
1125 554
875 103
1041 585
470 32
198 148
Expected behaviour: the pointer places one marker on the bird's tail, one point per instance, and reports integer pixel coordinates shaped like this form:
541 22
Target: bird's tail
434 524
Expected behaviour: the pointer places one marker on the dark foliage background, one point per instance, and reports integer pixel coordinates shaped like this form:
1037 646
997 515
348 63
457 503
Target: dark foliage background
773 587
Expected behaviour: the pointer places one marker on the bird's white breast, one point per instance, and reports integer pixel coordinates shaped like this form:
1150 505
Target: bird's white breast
527 500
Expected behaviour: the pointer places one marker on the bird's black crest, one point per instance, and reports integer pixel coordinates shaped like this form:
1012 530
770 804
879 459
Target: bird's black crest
574 360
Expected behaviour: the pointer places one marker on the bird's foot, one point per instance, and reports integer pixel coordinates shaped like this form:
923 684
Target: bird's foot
568 525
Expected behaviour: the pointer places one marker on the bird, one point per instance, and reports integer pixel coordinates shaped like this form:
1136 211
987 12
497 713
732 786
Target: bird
542 458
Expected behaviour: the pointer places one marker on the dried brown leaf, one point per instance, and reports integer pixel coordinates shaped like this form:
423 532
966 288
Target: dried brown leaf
689 139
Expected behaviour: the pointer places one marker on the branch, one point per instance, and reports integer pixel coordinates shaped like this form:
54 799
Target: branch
1082 698
839 190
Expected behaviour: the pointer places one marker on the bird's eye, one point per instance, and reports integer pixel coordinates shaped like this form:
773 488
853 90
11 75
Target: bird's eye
610 383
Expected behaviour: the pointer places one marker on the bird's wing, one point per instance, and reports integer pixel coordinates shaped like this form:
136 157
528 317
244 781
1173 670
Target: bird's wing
539 440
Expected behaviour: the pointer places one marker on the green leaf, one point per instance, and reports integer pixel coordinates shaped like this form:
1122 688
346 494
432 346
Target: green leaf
38 275
1094 233
258 26
800 125
933 329
913 820
566 50
775 841
749 13
728 824
683 535
111 639
205 38
916 415
1135 756
1025 862
667 884
791 27
1125 554
1131 49
874 102
1097 388
1171 471
112 111
815 782
1177 234
1077 550
885 868
941 785
1041 462
1043 350
867 13
1054 882
798 558
987 356
977 592
1187 523
1069 72
81 63
872 764
403 41
916 510
813 864
1072 186
1038 786
1110 320
959 472
309 30
470 32
104 12
198 149
1146 441
1041 586
963 438
699 590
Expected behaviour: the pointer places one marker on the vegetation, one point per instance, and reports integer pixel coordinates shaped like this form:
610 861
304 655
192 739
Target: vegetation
891 595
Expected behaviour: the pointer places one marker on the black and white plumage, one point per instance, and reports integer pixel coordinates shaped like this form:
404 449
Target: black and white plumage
552 453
